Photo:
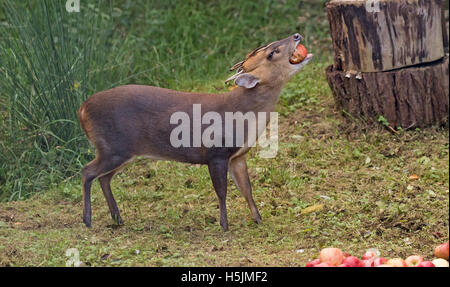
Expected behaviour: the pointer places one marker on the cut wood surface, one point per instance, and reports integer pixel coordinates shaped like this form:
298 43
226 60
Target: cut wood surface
411 97
382 35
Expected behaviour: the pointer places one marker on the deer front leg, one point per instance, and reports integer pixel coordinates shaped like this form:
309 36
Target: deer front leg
239 173
218 171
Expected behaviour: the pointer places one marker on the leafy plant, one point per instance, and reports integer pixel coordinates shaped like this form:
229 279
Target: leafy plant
50 63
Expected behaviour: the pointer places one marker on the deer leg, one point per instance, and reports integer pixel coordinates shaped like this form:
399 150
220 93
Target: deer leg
100 166
105 183
239 173
218 171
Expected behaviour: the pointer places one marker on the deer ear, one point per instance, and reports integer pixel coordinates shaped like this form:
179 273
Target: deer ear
246 80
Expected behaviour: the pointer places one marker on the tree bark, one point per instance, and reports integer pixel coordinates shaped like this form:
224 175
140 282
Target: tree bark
416 96
382 35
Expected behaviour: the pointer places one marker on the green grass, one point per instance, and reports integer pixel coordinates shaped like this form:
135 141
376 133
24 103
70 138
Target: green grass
360 176
50 64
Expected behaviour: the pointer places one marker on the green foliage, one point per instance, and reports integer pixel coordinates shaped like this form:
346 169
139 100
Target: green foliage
185 44
382 120
50 63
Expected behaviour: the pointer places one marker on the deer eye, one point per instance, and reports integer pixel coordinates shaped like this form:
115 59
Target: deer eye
270 55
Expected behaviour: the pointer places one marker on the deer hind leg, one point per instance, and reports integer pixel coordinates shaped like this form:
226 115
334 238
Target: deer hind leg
239 173
218 172
101 166
105 184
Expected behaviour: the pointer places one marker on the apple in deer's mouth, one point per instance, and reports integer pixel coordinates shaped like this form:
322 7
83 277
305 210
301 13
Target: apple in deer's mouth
299 55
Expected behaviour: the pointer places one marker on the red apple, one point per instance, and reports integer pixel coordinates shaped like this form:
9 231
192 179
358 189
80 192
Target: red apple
352 261
384 265
440 262
333 256
344 265
396 262
299 55
413 260
368 255
441 251
324 264
367 263
313 263
379 261
426 264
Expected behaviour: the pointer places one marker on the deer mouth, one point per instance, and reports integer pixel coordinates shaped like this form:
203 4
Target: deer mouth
299 55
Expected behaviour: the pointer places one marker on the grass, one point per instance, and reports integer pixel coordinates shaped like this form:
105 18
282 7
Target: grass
49 66
333 183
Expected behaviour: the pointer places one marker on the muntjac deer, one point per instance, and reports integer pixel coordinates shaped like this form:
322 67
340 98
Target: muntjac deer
134 120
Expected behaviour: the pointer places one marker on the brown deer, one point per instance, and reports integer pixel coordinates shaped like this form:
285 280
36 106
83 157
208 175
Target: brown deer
135 120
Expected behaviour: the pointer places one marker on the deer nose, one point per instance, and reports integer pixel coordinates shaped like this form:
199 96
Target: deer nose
297 37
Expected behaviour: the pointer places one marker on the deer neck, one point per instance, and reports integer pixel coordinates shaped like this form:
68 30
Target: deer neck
258 99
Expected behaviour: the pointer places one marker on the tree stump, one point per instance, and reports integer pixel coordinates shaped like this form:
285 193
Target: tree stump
390 35
409 97
390 60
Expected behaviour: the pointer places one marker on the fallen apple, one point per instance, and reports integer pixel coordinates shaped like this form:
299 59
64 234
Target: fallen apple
370 253
441 251
345 265
313 263
426 264
333 256
324 264
413 260
352 261
396 262
440 262
367 263
379 261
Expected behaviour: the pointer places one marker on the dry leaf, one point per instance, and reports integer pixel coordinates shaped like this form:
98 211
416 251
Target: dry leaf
313 208
413 177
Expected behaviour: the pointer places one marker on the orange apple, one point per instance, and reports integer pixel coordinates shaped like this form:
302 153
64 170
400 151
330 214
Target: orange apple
299 55
441 251
332 256
396 262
